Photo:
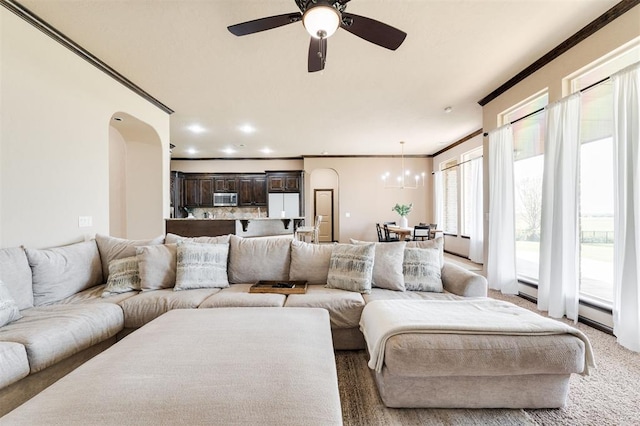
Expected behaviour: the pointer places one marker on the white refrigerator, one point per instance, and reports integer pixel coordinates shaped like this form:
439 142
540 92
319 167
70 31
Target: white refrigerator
284 205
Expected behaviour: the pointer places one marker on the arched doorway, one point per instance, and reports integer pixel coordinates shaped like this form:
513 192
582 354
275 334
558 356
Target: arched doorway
135 178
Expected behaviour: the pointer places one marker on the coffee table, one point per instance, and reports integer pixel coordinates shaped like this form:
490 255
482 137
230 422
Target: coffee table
203 366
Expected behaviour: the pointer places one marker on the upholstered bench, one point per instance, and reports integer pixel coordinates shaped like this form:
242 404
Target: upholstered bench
203 366
479 353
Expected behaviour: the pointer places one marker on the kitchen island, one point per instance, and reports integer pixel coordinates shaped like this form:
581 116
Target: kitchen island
246 227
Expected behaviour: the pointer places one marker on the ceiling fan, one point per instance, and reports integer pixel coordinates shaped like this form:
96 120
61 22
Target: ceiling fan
321 18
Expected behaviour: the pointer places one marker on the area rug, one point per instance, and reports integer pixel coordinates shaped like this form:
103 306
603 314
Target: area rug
610 395
362 406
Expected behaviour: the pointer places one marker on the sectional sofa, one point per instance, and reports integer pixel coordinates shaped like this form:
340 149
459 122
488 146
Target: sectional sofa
64 305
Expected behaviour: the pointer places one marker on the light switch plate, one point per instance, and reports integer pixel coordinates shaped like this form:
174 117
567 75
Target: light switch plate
85 221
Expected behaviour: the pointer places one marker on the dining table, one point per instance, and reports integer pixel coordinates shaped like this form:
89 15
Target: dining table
400 231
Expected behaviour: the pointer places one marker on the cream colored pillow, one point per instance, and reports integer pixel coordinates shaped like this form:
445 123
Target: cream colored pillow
255 259
437 243
351 267
157 265
387 265
116 248
124 276
201 265
9 311
421 269
310 262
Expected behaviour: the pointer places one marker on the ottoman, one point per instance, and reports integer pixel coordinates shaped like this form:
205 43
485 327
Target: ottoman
479 353
225 366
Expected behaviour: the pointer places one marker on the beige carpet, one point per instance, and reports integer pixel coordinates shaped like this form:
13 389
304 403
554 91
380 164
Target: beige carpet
609 396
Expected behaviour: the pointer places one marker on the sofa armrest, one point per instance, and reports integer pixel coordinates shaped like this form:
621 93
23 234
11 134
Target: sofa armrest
462 282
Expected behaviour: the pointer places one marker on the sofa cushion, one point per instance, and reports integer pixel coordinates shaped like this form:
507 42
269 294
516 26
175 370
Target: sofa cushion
255 259
60 272
14 364
9 311
157 265
16 274
421 268
385 294
175 239
149 305
124 276
201 265
351 267
238 296
53 333
116 248
310 262
345 307
387 265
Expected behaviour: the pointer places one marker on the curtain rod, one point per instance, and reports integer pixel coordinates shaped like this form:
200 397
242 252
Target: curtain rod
456 165
592 85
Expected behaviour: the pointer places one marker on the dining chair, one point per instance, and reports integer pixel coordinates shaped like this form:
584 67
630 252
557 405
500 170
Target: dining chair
312 231
393 234
433 227
387 235
421 232
379 231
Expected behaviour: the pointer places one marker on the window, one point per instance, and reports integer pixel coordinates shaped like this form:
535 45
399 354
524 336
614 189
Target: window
528 140
450 196
467 187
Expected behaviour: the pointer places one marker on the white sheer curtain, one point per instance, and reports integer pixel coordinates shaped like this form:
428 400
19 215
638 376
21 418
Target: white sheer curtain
626 246
501 256
438 198
558 283
476 231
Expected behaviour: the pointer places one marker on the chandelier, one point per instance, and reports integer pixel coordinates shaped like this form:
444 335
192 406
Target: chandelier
404 180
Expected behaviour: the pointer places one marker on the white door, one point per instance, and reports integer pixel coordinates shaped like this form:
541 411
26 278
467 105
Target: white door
324 207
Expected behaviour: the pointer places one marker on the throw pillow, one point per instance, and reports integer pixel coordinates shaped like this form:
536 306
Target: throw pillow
387 265
117 248
310 262
421 268
255 259
201 265
124 276
61 272
16 273
9 311
157 265
351 267
437 243
174 239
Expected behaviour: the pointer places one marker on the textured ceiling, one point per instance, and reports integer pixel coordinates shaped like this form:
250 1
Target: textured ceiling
365 101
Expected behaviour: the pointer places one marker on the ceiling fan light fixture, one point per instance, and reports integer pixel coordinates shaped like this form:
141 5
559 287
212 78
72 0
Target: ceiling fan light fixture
321 21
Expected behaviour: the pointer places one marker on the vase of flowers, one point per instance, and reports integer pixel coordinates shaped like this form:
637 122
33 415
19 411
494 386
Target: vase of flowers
403 210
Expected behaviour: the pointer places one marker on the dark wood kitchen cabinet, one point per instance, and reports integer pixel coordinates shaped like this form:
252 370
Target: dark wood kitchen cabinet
225 183
284 181
197 190
252 190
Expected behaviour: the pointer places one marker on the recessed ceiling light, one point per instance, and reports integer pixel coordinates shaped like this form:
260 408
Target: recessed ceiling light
196 128
448 109
266 150
192 151
247 128
325 153
229 151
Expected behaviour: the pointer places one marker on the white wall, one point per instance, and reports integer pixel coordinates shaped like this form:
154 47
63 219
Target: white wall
611 37
117 184
362 196
54 136
234 166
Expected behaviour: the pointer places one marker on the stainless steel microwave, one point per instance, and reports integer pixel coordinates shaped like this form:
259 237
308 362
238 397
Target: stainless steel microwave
225 199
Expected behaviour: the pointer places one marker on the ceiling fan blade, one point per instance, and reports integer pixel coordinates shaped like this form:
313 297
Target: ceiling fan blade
263 24
373 31
317 54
